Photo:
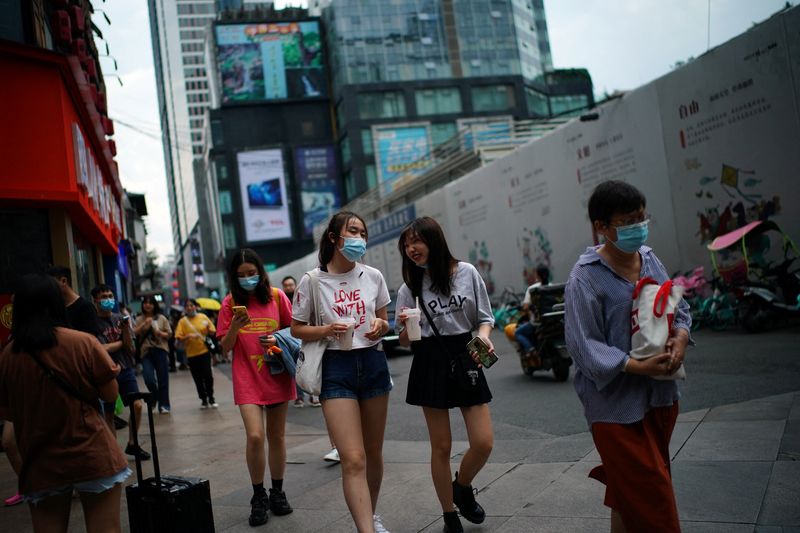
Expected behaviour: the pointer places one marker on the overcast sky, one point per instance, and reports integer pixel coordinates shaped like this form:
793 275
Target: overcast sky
623 43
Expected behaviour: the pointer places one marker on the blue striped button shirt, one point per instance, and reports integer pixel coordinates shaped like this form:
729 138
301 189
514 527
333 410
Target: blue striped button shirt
598 333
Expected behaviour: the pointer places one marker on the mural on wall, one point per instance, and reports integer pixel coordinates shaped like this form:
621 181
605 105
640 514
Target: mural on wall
479 256
535 249
745 202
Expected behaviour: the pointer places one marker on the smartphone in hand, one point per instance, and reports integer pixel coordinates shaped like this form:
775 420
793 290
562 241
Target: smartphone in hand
240 310
486 357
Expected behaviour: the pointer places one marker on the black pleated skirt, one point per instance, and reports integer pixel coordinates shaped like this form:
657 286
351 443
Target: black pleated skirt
430 383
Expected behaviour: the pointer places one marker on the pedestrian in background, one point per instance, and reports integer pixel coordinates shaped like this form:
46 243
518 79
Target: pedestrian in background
115 336
192 331
81 313
455 297
153 332
526 329
631 415
64 443
257 391
355 374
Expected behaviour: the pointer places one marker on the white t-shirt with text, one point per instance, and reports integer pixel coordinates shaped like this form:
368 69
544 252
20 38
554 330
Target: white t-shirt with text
357 293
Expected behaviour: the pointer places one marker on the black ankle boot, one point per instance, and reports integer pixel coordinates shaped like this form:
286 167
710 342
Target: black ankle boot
464 498
452 524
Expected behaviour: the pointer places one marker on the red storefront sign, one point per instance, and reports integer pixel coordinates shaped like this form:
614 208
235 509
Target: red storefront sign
54 150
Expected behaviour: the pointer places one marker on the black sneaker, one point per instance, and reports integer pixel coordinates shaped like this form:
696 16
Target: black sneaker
258 509
452 524
204 405
278 503
137 451
119 423
464 499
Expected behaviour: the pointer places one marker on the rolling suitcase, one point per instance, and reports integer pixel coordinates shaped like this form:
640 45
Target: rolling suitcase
166 504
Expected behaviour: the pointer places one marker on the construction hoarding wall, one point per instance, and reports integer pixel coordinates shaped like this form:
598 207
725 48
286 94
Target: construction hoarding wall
712 145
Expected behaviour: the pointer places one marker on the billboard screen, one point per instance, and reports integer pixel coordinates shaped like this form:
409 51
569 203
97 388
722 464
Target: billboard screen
315 169
401 150
265 207
270 61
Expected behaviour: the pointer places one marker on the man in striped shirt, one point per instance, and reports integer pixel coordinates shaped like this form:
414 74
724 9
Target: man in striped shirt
631 415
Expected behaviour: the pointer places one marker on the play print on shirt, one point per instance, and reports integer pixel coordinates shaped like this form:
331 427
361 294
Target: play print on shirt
444 306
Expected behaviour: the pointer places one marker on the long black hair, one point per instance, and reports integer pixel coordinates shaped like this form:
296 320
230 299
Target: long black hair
152 300
38 311
440 260
327 247
263 292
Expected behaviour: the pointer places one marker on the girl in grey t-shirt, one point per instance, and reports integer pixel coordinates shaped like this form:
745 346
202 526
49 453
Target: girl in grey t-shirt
454 296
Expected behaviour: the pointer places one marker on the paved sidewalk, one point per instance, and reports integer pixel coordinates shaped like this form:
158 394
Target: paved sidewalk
736 469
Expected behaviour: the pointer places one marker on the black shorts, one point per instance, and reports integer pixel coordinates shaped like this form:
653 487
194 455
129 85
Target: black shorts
429 381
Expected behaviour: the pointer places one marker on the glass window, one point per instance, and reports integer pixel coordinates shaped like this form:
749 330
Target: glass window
222 169
229 235
564 104
493 98
537 103
372 177
443 132
216 133
366 141
349 185
438 101
388 104
345 148
225 203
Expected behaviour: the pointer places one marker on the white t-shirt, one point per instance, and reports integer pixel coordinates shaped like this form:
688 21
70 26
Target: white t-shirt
463 311
358 293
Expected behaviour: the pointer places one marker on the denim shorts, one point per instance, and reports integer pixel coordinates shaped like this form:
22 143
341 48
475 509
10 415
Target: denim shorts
95 486
358 374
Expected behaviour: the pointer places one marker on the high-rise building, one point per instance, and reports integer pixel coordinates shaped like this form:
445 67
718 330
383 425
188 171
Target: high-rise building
430 64
178 33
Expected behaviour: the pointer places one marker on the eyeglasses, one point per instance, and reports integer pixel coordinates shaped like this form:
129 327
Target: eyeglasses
630 221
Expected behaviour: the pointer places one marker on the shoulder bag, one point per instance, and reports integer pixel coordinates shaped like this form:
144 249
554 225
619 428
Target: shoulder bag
309 363
463 369
652 314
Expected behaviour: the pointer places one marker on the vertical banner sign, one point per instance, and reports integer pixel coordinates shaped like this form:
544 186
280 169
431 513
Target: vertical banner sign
401 151
315 169
265 210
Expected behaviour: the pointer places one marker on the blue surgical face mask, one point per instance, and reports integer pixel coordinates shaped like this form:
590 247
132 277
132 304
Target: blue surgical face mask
630 238
249 283
107 304
354 248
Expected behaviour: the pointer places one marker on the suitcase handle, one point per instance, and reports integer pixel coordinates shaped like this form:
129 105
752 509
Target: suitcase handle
146 396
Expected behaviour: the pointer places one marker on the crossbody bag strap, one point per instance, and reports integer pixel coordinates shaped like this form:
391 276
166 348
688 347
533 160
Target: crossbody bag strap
435 330
315 314
60 382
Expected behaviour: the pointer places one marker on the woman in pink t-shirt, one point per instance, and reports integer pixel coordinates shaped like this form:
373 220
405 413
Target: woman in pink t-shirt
260 385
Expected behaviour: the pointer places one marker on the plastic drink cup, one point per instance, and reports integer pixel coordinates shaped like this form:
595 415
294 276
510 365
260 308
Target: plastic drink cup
412 324
346 338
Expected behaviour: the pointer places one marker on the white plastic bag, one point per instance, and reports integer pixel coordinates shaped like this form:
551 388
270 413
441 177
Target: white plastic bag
652 315
309 363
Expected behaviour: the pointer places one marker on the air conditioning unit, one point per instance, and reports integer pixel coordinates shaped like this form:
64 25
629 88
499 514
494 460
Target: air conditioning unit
61 26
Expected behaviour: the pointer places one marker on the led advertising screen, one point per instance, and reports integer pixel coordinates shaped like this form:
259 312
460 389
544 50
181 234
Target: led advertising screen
270 61
401 151
315 168
265 210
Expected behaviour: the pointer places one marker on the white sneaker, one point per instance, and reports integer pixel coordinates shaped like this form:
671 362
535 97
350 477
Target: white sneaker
376 520
332 456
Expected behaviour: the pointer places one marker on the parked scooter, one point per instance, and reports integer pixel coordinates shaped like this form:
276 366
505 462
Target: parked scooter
768 303
770 293
550 353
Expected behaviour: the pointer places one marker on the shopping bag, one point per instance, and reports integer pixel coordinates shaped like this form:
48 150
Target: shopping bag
652 315
308 372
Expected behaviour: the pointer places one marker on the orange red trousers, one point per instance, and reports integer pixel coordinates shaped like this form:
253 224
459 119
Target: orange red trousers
636 470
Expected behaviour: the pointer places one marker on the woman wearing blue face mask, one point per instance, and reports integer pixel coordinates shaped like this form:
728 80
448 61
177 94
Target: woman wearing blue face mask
631 415
261 393
153 332
355 375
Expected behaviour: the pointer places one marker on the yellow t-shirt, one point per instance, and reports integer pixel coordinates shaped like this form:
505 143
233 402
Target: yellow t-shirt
199 323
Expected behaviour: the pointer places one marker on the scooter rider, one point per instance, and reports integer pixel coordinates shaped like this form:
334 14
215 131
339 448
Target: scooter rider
525 334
